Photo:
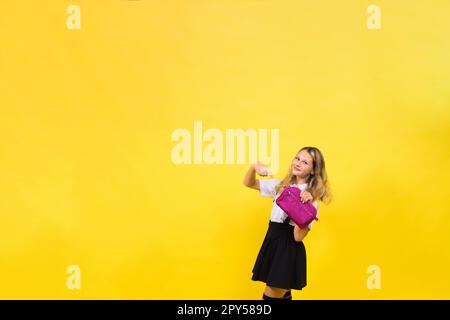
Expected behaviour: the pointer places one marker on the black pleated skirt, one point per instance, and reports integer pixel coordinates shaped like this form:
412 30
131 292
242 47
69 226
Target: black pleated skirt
281 261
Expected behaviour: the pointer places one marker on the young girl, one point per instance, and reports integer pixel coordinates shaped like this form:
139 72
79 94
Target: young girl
281 261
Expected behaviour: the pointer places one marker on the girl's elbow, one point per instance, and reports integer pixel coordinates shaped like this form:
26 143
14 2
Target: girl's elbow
300 234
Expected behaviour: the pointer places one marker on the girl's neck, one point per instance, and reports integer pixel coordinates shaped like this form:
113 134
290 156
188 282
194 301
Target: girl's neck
301 180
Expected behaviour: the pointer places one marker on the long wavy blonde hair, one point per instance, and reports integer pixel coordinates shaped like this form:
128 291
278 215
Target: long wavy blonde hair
318 184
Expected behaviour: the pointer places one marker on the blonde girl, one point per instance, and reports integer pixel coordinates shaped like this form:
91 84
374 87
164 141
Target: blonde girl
281 261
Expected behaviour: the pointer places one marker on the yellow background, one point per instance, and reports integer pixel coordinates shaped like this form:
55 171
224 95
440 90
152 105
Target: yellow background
87 115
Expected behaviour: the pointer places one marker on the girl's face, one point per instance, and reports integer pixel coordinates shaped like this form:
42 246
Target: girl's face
302 165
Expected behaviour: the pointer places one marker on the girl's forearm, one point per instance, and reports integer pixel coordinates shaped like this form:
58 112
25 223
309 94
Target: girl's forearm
300 234
250 177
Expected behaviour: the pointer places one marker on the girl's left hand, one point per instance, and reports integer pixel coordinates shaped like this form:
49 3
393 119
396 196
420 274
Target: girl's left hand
305 196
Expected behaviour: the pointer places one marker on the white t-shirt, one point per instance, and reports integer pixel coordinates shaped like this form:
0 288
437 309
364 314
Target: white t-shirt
267 189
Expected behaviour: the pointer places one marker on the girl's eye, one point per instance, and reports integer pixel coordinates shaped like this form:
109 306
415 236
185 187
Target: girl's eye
297 158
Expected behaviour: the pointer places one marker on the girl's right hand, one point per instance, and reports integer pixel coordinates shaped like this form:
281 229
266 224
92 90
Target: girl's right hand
261 169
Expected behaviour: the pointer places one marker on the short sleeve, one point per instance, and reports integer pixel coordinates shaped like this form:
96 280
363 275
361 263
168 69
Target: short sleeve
267 187
316 205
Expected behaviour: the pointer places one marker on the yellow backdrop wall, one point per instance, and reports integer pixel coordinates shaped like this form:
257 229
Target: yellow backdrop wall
93 93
